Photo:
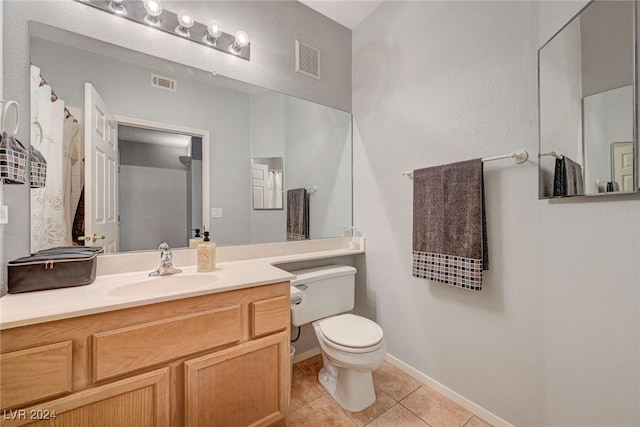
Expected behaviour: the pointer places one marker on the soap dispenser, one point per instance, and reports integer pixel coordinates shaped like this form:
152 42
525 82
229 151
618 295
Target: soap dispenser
195 240
206 254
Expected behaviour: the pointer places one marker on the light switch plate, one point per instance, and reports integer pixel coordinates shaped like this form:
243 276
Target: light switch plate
4 215
216 212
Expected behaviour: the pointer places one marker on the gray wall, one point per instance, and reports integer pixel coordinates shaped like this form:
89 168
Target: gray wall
318 147
153 196
315 142
553 337
268 125
607 50
272 25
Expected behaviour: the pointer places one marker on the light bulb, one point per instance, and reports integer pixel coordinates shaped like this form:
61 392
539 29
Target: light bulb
242 39
117 7
185 19
213 32
154 10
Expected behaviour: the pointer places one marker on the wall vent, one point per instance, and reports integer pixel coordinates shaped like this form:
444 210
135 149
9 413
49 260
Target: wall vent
307 60
165 83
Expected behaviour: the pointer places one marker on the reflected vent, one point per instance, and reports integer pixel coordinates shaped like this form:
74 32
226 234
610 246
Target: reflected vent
164 83
307 60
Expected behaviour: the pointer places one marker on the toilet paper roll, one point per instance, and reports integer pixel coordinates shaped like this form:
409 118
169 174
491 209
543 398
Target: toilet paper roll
298 299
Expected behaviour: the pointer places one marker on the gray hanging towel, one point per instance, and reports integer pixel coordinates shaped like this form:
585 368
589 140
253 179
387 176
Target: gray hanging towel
297 214
449 227
567 179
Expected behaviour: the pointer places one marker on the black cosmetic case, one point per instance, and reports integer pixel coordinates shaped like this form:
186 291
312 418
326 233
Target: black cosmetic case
54 268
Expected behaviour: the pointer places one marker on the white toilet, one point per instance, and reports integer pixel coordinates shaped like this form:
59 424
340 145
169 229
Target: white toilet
352 346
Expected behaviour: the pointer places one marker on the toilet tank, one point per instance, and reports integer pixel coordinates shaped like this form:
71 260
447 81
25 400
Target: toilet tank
330 290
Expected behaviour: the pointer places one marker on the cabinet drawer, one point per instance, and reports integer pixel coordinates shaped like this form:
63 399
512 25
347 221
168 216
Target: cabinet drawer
269 316
35 373
127 349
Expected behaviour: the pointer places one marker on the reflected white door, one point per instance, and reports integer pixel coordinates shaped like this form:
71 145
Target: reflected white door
101 176
622 154
260 174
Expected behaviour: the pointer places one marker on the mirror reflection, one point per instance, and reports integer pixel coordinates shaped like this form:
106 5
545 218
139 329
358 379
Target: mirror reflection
130 91
586 101
160 172
266 182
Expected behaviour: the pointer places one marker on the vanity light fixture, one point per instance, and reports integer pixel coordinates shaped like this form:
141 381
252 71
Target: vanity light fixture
116 6
183 24
213 32
185 21
240 41
154 10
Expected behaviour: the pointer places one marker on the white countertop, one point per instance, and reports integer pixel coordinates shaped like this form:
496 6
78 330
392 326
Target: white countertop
131 289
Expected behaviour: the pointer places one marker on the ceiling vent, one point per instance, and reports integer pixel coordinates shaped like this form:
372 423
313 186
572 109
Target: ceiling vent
307 60
164 83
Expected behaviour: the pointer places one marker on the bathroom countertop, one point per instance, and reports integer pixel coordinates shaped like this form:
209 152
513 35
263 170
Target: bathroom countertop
131 289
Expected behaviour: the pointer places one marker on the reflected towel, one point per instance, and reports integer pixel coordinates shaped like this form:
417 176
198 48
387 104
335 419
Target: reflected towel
449 228
297 214
567 179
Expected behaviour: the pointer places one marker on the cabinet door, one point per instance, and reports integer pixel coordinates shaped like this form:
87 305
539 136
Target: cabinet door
142 400
246 385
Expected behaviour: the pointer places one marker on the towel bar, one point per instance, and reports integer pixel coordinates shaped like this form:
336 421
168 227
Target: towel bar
518 157
553 154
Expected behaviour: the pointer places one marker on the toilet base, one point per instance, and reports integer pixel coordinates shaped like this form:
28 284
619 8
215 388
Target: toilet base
350 388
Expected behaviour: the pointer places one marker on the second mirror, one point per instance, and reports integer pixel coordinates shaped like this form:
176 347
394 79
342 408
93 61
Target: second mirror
266 181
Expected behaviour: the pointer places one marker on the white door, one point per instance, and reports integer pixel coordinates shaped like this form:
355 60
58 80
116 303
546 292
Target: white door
101 176
260 174
622 154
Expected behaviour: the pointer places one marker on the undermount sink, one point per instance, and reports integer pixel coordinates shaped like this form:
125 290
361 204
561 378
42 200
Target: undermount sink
164 284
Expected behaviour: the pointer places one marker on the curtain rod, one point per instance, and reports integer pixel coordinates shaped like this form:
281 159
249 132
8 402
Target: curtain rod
519 156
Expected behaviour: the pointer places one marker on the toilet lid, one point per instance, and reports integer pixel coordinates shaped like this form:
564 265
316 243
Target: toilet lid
350 330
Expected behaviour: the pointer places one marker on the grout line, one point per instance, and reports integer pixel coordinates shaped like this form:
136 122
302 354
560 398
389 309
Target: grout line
392 406
413 413
469 420
410 411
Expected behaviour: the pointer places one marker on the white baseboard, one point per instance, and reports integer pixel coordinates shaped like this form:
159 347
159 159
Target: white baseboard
447 392
305 355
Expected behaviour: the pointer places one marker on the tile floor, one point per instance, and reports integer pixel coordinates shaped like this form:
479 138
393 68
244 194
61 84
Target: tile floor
401 401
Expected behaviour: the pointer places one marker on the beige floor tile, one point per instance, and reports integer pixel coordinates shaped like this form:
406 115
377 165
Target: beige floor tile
477 422
320 412
382 404
311 366
396 417
304 389
435 409
394 382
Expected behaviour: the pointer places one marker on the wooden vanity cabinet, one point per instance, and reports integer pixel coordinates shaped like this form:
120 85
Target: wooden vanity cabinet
219 359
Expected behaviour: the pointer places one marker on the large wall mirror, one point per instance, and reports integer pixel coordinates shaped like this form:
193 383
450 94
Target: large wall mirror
587 100
141 150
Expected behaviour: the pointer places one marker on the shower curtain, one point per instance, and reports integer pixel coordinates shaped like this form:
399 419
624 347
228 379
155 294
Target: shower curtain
274 190
56 134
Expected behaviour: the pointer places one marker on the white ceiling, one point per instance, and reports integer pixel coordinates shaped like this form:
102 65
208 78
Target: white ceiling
349 13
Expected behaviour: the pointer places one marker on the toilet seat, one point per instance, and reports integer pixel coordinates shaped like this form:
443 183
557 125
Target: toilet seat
351 333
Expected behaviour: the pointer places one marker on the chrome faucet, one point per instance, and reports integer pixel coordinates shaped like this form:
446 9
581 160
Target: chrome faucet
166 262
